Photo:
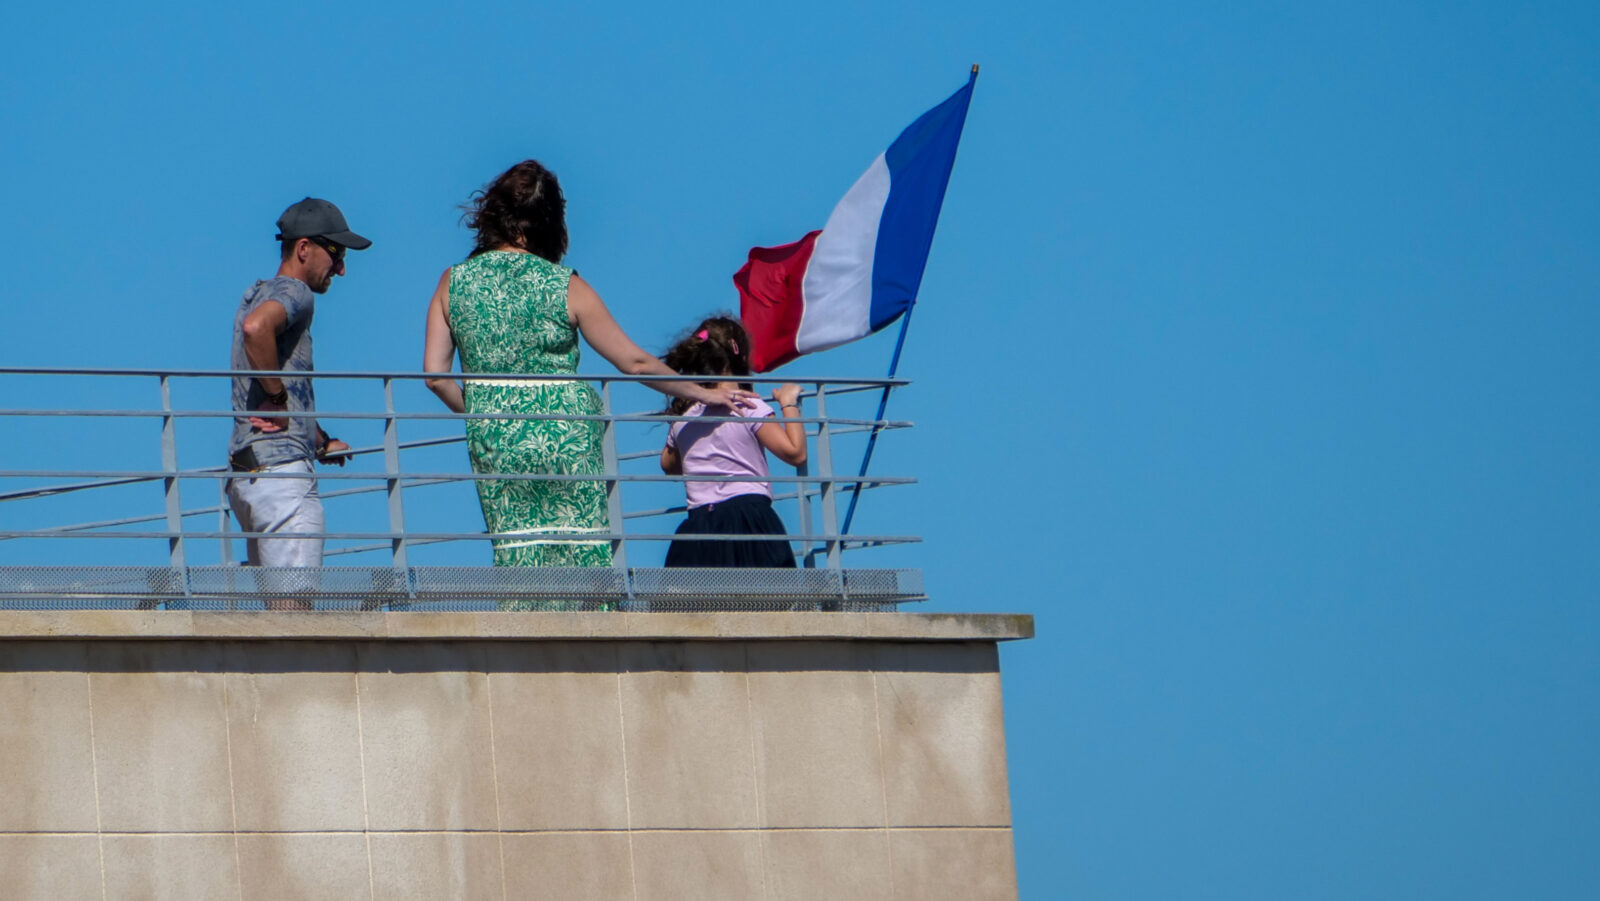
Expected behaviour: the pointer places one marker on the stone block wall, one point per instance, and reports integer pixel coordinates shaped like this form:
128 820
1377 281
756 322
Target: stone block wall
167 755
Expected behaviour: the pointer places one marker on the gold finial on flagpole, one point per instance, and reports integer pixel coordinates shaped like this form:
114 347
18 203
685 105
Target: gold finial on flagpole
974 68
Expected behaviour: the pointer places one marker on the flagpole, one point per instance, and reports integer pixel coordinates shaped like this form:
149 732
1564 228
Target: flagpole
883 401
872 439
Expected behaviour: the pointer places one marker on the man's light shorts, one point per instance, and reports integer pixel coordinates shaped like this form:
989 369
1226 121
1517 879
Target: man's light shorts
279 505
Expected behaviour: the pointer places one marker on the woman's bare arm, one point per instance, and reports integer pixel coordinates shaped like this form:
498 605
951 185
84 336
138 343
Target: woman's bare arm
588 312
439 348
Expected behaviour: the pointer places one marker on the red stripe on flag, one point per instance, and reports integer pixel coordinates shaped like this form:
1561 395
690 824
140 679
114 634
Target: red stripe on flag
770 300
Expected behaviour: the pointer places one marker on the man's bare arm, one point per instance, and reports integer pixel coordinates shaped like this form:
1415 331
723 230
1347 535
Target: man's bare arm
261 329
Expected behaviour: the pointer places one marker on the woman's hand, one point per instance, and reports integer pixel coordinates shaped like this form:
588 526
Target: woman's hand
726 396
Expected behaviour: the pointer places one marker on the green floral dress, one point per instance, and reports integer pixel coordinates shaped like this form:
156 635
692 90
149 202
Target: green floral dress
508 313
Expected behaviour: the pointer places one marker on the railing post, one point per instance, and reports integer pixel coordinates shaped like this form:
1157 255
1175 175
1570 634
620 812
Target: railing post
391 472
226 544
828 494
169 467
809 558
608 450
224 524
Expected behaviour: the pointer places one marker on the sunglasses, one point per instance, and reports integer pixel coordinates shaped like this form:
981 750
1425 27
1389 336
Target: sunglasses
336 251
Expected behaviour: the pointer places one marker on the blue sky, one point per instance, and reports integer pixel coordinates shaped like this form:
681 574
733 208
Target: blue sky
1254 355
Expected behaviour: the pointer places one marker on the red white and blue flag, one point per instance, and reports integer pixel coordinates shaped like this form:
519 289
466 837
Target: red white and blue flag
862 270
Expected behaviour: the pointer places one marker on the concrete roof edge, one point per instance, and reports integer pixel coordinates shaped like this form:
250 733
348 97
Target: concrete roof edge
543 626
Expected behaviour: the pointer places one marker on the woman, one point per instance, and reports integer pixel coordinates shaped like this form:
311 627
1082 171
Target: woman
512 308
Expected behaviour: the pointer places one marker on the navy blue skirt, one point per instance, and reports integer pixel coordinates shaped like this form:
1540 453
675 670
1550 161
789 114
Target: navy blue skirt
744 514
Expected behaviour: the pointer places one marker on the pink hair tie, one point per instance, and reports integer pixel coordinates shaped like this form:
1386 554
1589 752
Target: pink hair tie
701 335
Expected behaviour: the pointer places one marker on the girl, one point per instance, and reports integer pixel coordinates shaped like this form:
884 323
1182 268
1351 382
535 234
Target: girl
720 347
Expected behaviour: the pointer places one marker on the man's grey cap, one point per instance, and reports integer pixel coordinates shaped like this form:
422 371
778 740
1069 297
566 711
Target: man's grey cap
314 218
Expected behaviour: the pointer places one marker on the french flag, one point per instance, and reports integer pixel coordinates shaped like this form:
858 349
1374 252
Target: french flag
862 270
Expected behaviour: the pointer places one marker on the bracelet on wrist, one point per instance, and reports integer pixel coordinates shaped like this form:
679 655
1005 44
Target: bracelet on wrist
281 398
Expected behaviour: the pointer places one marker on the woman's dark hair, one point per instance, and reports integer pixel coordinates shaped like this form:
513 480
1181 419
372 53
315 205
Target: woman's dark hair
718 346
522 208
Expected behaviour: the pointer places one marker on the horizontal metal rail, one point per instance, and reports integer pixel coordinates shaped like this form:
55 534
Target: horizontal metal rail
653 418
569 537
834 384
50 490
147 475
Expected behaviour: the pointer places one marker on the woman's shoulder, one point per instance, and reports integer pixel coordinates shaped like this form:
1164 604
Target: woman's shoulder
463 272
530 263
512 260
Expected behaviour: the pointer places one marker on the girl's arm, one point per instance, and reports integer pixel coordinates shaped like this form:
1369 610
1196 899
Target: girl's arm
588 312
671 461
786 441
439 349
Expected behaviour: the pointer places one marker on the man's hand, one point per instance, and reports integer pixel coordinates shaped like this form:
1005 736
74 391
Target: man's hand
272 423
334 452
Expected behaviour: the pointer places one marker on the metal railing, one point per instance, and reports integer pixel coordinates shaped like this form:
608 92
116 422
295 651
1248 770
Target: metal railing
85 481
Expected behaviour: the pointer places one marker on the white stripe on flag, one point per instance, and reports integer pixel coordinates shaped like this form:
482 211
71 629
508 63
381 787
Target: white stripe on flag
838 283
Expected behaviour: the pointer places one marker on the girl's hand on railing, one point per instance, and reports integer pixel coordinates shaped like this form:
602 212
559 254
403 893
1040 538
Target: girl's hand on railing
787 395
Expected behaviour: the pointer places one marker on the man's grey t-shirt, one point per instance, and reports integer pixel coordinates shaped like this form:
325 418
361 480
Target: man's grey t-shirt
298 440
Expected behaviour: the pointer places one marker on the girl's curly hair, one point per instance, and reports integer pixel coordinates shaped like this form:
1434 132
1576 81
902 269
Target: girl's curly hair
718 346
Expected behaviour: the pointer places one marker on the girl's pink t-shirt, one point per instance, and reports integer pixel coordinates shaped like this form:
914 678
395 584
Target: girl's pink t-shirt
722 449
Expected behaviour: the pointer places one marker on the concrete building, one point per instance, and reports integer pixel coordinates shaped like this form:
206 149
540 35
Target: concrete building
177 755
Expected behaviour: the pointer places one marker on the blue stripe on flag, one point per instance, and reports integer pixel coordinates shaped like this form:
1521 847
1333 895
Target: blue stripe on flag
919 164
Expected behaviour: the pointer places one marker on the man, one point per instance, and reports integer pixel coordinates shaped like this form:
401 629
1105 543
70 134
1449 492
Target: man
272 331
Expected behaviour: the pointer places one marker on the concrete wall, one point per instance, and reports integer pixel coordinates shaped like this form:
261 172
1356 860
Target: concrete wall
168 755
